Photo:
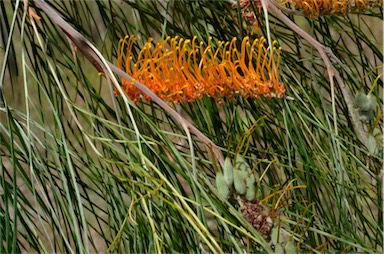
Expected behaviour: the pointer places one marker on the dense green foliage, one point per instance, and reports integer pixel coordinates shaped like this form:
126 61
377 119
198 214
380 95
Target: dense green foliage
81 171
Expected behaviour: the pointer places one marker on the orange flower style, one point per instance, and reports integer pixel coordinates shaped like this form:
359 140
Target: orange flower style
316 8
178 70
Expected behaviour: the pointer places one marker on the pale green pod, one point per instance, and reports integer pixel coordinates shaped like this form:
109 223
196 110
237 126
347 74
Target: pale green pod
251 178
290 248
222 187
275 235
250 194
366 116
372 144
241 164
228 172
278 249
239 181
363 101
376 132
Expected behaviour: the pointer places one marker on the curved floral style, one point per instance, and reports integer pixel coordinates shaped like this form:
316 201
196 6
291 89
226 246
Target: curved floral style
185 70
315 8
312 8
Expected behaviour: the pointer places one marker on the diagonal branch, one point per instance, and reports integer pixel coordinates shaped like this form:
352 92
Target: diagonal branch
326 54
88 51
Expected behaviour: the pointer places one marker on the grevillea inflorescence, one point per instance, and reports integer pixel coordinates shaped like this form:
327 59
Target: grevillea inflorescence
178 70
312 8
316 8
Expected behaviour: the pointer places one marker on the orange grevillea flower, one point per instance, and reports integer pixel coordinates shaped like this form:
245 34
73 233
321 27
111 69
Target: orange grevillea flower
312 8
315 8
177 70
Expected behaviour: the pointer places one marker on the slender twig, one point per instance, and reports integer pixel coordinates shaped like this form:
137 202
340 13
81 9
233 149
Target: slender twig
83 45
325 52
289 11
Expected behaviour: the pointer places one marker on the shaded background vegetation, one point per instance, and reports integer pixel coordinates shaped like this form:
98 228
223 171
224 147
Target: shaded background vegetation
82 172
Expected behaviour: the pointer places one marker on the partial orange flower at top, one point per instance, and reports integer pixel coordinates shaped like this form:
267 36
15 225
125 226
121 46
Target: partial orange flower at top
185 70
316 8
312 8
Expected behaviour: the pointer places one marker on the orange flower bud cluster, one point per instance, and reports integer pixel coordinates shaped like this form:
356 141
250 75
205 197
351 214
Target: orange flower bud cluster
184 70
316 8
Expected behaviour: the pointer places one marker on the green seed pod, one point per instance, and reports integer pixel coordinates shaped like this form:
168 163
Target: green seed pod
366 116
372 144
241 164
275 235
363 101
290 248
239 181
278 249
373 102
228 172
251 178
222 187
250 194
376 132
